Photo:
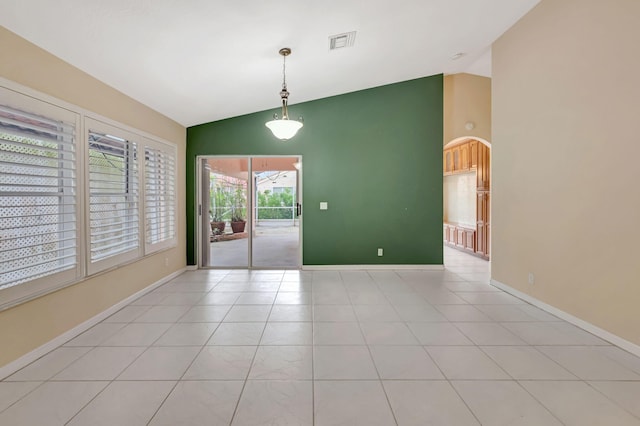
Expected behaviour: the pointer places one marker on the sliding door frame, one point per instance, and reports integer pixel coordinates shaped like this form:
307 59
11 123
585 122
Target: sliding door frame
200 209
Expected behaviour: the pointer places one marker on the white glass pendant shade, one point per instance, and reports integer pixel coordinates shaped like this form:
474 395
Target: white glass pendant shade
284 129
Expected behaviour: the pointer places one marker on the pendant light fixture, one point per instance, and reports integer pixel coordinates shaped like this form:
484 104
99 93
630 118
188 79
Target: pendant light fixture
283 128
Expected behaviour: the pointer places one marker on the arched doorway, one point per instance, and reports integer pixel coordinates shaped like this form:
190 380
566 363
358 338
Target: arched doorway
467 195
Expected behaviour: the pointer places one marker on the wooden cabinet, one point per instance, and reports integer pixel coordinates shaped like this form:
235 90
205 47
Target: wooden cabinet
470 240
482 223
447 162
473 154
460 158
456 158
463 158
462 237
483 168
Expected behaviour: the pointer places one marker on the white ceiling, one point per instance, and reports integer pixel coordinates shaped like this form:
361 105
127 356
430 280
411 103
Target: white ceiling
197 61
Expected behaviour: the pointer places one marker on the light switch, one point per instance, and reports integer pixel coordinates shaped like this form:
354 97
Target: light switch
324 205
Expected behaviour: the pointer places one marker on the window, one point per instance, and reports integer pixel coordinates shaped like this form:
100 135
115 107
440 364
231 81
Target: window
71 209
160 201
114 198
38 223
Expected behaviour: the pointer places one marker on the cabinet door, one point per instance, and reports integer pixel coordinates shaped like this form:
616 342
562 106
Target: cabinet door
447 161
470 240
460 237
473 154
483 168
479 169
487 168
456 158
464 157
480 239
487 244
487 225
480 221
482 227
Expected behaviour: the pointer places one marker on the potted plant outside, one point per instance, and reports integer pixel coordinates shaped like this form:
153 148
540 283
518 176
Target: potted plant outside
217 205
217 225
238 221
238 224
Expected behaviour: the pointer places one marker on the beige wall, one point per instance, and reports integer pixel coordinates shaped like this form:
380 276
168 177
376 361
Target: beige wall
566 204
467 98
27 326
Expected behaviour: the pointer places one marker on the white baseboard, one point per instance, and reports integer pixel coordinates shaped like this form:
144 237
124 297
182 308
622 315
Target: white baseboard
351 267
40 351
372 267
595 330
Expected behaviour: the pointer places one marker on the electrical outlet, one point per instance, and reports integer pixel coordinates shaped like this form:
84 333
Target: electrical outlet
166 261
532 279
379 252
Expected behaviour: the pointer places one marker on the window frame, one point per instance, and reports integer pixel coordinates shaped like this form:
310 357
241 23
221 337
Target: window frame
28 290
153 247
93 125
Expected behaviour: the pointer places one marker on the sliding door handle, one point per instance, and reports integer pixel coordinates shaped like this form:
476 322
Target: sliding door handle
298 209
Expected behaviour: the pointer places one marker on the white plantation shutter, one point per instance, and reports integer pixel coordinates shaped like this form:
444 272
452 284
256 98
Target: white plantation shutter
160 201
57 228
114 199
38 228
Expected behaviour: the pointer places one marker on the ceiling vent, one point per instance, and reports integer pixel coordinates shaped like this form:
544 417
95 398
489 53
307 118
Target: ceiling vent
340 41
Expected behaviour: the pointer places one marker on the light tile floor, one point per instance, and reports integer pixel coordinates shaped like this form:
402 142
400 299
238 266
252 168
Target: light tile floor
329 348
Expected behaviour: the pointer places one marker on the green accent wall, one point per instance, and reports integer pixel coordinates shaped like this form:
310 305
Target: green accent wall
374 155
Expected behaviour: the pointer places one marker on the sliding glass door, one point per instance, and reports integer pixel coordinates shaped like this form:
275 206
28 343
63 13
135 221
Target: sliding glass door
276 230
224 231
249 212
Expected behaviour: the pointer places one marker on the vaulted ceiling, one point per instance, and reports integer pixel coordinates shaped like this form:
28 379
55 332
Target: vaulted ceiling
197 61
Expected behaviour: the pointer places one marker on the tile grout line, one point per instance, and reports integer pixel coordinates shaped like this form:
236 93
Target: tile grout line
246 379
445 378
117 375
191 363
449 380
313 367
384 391
155 413
606 396
507 373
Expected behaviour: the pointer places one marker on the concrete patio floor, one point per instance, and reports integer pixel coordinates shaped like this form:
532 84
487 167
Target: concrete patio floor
275 245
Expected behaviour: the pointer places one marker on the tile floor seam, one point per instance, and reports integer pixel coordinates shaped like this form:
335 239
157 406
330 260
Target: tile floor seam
183 373
375 366
609 398
466 404
539 401
164 399
313 368
253 359
23 396
594 348
88 402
